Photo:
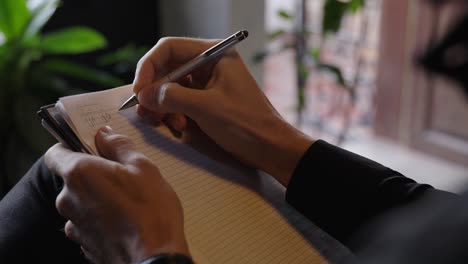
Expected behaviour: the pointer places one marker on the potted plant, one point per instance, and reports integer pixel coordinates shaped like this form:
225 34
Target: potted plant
308 57
36 69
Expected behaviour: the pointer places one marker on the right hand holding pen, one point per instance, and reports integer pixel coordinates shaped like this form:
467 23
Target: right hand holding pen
226 103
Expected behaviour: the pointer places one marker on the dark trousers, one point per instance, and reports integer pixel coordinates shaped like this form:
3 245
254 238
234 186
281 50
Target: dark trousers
31 229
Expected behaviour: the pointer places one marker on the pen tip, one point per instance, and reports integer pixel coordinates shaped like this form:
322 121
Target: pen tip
129 103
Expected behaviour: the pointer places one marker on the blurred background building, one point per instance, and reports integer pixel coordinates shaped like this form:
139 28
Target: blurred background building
343 71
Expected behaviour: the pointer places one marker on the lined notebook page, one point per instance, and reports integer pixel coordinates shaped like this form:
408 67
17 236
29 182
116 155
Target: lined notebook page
232 213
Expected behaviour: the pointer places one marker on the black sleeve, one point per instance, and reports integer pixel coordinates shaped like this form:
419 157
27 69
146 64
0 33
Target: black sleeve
31 229
341 191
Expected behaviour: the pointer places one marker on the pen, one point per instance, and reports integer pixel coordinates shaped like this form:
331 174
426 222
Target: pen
194 63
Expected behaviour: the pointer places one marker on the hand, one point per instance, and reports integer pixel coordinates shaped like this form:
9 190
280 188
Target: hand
226 103
119 207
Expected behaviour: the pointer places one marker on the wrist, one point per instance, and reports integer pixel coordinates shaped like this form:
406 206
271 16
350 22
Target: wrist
285 146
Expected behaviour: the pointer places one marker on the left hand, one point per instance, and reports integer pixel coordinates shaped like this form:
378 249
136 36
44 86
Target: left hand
119 207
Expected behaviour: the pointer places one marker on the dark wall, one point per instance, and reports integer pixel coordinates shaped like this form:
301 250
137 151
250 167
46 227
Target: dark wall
120 20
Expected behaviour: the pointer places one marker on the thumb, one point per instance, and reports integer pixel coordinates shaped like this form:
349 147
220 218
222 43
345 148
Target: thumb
172 98
115 147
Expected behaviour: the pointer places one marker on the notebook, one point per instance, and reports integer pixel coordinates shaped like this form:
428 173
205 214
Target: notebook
233 213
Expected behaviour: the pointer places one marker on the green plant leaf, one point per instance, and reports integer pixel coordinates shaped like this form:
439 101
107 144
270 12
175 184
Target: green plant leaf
81 72
276 34
14 15
286 46
333 13
40 15
3 50
130 54
25 58
303 71
315 53
356 5
335 71
73 41
260 56
285 14
301 99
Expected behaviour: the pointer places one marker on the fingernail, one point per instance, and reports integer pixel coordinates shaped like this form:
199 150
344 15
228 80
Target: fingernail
106 130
